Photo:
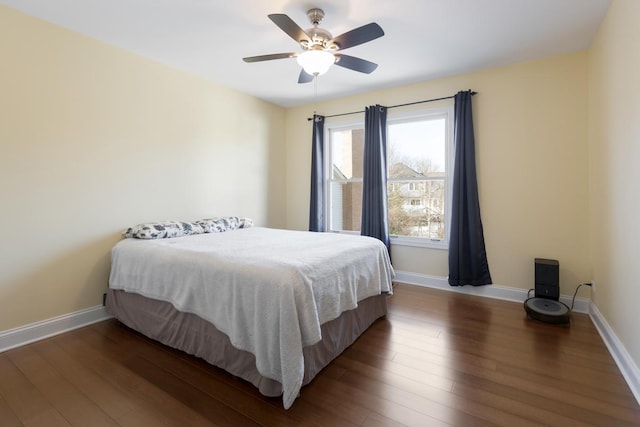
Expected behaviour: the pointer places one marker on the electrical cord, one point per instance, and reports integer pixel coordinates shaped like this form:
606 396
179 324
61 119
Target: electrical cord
576 293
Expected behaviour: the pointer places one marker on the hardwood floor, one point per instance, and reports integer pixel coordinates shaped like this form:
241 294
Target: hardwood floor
438 358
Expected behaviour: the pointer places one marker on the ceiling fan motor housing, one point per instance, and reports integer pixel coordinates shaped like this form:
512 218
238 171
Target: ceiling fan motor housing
315 15
319 37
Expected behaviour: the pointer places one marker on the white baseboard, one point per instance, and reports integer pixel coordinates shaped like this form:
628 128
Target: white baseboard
47 328
625 363
581 305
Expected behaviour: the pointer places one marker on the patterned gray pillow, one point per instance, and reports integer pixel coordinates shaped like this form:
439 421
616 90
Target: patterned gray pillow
245 223
222 224
163 230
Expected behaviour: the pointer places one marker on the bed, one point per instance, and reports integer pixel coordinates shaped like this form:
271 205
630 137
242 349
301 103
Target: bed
270 306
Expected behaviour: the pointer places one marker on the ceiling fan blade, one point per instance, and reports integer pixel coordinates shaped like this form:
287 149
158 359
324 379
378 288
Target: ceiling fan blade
358 36
269 57
305 77
287 25
355 64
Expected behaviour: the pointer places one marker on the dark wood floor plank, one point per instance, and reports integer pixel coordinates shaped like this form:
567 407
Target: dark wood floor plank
88 382
7 416
437 359
417 395
390 368
440 358
570 391
190 396
377 420
506 342
311 413
128 409
137 419
554 408
524 410
72 404
143 393
24 399
539 360
376 402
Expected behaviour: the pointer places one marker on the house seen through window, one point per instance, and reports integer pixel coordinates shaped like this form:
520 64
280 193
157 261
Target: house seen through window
419 159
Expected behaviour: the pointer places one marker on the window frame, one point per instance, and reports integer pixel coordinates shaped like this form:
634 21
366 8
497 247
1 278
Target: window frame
431 113
328 169
445 111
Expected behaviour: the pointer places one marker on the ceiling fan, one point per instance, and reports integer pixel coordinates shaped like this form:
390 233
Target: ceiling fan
320 48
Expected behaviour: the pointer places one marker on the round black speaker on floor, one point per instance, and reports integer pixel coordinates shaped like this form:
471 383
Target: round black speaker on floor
547 310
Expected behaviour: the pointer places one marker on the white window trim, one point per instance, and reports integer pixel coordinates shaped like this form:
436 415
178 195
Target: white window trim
427 113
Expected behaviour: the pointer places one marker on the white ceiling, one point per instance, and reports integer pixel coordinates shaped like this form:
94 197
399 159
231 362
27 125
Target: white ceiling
424 39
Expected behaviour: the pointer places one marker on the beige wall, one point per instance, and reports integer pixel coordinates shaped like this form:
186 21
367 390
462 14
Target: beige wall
614 154
94 139
531 137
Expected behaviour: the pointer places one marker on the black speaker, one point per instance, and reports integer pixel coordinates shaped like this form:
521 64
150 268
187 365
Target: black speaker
547 278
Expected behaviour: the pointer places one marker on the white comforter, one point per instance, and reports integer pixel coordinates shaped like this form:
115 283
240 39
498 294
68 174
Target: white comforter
268 290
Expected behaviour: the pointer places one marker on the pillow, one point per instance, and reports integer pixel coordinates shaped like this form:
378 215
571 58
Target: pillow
163 230
222 224
246 223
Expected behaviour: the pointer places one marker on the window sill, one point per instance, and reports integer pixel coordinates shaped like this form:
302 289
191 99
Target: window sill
415 242
419 242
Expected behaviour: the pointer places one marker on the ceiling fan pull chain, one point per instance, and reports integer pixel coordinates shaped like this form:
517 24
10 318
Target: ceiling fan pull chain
315 95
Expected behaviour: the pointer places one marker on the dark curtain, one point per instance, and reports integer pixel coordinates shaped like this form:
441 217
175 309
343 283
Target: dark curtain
375 222
467 255
316 208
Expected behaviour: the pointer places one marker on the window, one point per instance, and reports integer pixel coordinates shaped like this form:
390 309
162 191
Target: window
419 161
345 187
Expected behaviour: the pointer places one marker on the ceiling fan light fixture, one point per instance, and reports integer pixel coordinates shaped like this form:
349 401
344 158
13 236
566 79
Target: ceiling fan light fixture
316 62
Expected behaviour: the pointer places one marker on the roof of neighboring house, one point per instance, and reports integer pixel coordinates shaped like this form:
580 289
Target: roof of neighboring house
396 171
400 170
337 173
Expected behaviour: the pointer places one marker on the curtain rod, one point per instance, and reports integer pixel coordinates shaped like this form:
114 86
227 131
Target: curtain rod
393 106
